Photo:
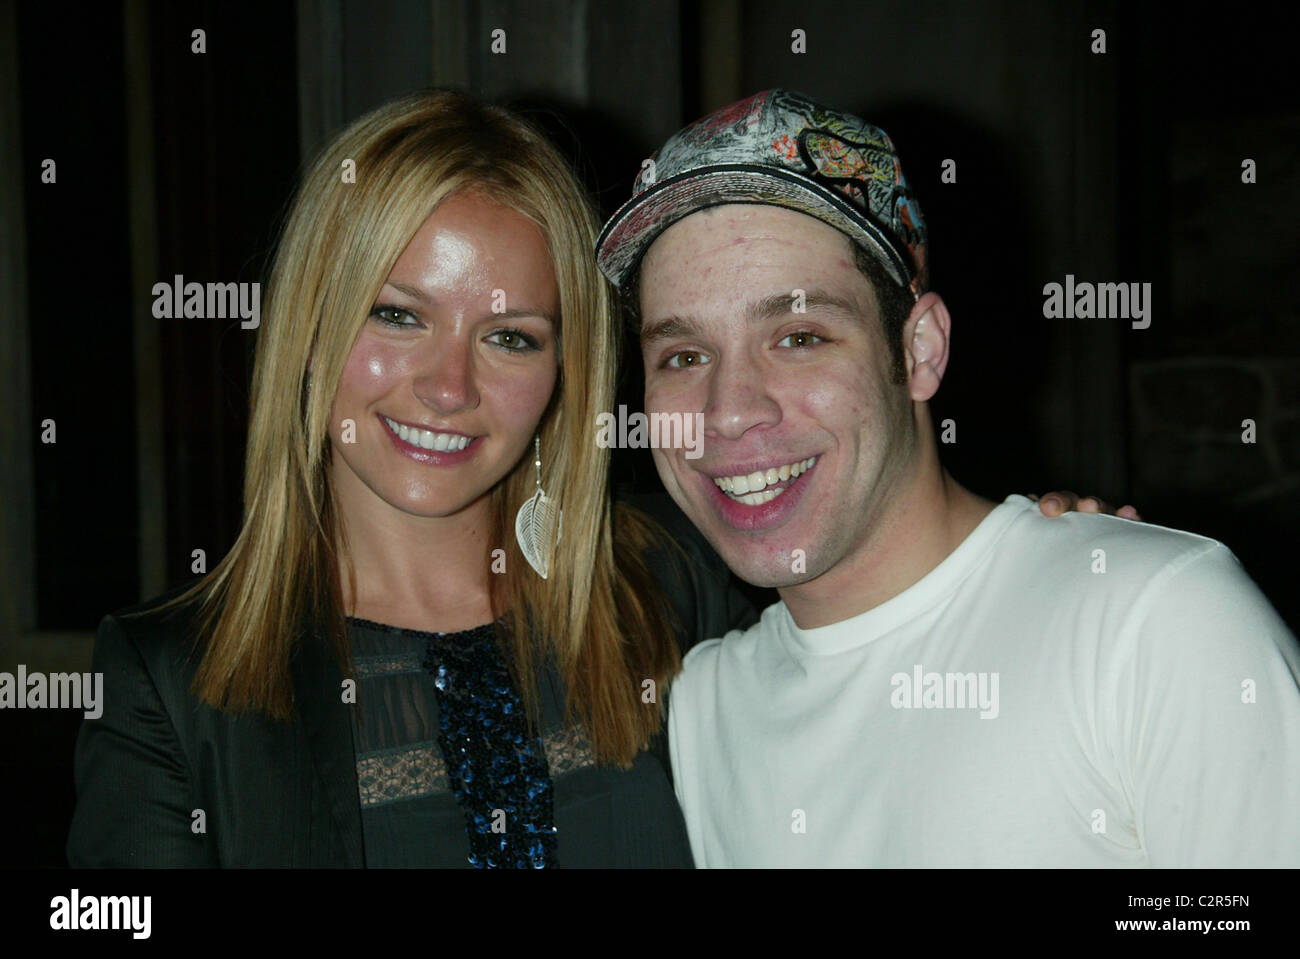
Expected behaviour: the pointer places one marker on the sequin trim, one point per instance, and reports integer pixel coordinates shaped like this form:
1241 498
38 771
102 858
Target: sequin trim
497 770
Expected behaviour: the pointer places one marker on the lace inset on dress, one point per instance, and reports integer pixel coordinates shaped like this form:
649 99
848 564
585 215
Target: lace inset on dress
405 772
410 772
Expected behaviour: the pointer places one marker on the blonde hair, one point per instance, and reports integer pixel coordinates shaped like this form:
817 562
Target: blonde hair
600 616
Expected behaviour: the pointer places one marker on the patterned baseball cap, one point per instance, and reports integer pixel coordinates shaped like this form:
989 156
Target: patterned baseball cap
783 149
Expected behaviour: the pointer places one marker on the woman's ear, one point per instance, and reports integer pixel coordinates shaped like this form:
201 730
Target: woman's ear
925 345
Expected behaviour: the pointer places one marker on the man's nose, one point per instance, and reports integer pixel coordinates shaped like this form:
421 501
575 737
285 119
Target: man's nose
446 380
739 399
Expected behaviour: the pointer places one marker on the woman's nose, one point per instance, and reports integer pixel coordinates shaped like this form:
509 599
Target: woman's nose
446 380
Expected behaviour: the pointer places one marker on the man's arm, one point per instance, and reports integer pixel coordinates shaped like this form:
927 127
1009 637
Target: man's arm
1208 719
134 796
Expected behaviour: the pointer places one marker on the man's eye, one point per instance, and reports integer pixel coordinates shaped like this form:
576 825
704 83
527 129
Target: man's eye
685 360
800 339
516 341
392 315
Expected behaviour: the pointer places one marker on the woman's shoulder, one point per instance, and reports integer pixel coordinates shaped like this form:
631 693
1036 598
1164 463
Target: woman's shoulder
166 611
698 583
164 627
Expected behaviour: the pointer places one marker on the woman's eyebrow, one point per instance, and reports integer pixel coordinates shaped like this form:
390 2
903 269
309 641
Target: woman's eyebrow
526 313
414 292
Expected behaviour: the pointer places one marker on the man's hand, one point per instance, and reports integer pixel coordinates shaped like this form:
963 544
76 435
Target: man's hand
1063 501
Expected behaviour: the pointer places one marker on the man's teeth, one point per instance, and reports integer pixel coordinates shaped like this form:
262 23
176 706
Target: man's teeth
755 488
439 442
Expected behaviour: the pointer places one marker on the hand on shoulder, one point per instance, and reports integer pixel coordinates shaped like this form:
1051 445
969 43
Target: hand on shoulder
1059 502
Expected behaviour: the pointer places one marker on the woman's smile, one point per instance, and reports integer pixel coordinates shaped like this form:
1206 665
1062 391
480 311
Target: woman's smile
429 447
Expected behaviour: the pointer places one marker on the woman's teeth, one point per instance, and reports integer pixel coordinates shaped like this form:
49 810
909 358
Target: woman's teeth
760 486
439 442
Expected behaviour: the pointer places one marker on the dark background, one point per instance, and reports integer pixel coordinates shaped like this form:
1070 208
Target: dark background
1123 166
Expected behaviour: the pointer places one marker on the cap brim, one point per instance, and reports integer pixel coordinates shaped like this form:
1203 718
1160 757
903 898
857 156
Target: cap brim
637 223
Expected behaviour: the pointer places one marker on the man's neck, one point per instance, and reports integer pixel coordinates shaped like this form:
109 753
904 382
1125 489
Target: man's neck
926 518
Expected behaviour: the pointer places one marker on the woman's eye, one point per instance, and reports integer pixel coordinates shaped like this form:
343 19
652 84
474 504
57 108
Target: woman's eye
517 341
685 360
392 316
800 339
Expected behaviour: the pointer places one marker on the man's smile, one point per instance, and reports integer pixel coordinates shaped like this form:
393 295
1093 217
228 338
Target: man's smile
752 497
762 485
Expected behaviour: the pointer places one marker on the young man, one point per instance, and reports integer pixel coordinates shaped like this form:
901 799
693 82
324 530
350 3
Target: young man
946 681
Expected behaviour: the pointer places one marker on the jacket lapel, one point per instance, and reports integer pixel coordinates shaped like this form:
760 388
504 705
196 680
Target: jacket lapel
328 726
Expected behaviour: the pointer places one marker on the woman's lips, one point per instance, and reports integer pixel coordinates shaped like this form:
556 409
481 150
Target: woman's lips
467 446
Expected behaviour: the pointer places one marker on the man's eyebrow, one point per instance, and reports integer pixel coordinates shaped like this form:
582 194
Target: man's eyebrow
778 304
668 328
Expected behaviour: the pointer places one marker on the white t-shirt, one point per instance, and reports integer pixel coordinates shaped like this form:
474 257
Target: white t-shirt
1076 691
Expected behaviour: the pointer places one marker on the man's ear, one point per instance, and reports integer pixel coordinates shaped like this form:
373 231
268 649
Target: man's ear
925 346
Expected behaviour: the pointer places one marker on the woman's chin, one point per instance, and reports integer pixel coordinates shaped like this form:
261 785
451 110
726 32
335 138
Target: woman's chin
435 507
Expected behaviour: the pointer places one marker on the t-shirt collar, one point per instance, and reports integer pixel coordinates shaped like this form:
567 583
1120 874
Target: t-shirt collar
918 598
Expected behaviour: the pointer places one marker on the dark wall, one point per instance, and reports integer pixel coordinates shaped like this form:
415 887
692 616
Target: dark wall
79 294
1207 94
226 160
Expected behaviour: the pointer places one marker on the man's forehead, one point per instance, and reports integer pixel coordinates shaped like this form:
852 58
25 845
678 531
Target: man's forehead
808 244
676 301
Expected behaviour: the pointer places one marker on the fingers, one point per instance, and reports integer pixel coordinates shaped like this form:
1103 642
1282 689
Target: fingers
1057 502
1095 504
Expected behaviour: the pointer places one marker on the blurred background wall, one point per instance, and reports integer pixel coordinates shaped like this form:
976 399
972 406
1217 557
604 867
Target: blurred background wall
1119 166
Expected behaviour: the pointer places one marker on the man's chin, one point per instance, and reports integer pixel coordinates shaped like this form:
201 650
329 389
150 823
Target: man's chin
769 578
760 564
773 571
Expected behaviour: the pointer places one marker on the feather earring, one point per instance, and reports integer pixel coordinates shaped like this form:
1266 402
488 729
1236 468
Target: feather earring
533 522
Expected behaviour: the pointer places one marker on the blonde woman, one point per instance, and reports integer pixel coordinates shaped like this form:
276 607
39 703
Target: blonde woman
375 674
434 642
